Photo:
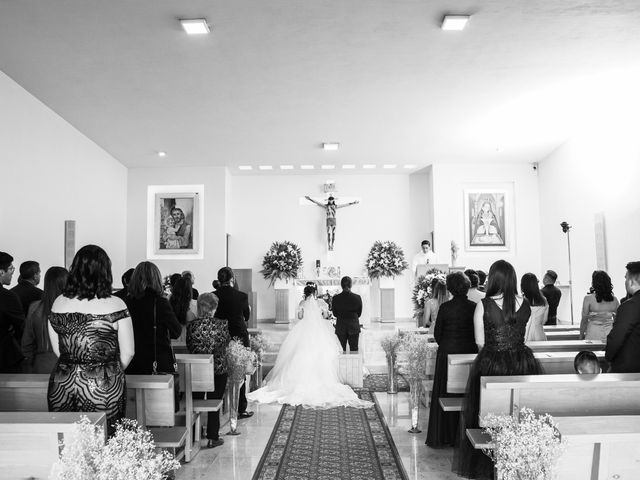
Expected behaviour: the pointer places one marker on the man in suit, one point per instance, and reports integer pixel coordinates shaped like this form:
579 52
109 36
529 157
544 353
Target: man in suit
623 342
552 294
26 289
347 308
233 306
11 319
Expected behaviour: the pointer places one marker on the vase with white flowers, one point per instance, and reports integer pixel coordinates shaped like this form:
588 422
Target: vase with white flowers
418 351
391 345
241 361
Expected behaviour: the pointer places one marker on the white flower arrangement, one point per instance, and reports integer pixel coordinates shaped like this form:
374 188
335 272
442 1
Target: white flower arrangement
391 345
418 349
526 448
422 290
259 346
281 262
385 259
129 453
241 361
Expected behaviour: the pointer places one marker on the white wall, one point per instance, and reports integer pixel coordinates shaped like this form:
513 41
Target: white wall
421 205
449 183
265 209
594 172
53 173
215 213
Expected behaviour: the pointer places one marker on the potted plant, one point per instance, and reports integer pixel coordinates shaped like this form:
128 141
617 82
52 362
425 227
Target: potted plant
526 446
129 453
385 260
418 350
282 262
241 361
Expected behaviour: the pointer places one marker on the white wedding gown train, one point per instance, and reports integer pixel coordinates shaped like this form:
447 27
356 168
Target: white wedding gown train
306 370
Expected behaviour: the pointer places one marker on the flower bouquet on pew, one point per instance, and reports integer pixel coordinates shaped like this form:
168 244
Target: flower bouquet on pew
418 351
129 453
259 346
241 361
391 345
526 447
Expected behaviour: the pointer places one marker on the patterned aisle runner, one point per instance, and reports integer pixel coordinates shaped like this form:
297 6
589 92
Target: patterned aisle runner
338 443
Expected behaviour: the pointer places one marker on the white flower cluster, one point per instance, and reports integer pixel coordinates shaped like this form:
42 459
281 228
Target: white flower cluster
418 350
385 259
422 290
282 261
526 448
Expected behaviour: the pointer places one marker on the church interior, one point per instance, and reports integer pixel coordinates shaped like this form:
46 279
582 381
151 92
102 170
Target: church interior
107 106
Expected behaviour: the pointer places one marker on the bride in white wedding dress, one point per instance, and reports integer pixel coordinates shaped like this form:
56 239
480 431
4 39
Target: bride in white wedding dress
306 370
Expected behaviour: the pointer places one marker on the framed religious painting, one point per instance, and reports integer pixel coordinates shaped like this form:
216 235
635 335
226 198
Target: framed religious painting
487 219
175 222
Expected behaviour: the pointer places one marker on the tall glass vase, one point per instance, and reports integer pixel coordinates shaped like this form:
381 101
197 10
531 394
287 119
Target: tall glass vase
256 377
392 380
414 403
234 398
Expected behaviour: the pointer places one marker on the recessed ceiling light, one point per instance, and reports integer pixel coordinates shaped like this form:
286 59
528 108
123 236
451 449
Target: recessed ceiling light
348 166
388 165
455 22
330 146
245 167
265 167
368 166
162 154
307 167
195 26
328 167
286 167
410 166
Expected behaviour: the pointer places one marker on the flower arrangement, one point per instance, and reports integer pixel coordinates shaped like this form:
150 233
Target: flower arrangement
259 345
240 360
391 345
418 349
129 453
526 448
385 259
422 290
281 262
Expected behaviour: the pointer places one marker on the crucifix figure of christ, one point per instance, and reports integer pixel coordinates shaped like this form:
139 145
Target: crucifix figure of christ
330 208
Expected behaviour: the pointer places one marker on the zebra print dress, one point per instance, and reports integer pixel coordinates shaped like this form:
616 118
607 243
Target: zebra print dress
88 376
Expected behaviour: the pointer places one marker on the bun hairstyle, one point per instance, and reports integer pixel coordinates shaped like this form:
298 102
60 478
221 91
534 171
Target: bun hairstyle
309 290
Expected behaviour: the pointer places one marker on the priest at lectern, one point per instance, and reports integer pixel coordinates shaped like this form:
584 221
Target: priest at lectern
423 257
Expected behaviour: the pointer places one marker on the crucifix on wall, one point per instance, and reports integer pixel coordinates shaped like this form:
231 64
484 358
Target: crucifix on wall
330 207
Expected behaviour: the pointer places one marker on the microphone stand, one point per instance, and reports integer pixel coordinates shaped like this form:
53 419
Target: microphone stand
565 228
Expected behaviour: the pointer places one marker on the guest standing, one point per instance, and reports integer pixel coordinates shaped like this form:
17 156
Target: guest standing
36 345
482 278
598 308
207 334
552 294
90 330
11 319
126 279
474 294
194 291
26 289
623 342
539 308
439 295
454 334
151 312
500 322
183 304
233 306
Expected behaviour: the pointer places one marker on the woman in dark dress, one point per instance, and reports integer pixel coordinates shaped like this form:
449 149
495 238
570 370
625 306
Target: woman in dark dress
500 321
147 307
207 334
91 332
454 334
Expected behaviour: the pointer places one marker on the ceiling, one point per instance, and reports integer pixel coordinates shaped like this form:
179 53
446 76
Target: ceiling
276 78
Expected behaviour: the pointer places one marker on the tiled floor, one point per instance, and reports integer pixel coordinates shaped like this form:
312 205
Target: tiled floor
239 456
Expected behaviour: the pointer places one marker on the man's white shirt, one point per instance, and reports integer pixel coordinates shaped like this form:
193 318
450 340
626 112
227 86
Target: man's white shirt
422 258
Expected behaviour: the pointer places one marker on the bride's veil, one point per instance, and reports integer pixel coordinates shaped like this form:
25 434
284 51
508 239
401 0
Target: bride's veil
311 309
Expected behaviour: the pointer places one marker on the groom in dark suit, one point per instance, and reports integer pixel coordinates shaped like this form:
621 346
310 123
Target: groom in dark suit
347 308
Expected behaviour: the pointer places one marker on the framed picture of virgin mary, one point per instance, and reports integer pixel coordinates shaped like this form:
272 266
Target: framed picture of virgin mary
486 219
175 221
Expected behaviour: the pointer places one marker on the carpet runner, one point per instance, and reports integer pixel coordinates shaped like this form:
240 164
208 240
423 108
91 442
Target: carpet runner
339 443
376 382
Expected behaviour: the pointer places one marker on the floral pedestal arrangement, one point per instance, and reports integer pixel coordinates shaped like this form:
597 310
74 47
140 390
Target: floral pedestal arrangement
280 266
422 293
385 262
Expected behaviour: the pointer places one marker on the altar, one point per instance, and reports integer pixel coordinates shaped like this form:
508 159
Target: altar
360 285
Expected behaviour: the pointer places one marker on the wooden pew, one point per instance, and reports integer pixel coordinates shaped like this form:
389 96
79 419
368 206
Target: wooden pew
562 394
459 366
562 335
566 346
597 447
29 441
350 367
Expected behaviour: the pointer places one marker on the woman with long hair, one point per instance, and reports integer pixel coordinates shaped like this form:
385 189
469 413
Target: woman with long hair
500 322
91 332
598 308
36 346
539 308
439 295
154 322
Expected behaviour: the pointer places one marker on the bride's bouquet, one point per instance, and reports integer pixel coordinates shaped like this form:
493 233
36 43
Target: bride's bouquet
385 259
281 262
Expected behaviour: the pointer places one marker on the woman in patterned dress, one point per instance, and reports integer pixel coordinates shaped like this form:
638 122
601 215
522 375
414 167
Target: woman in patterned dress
91 333
210 335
